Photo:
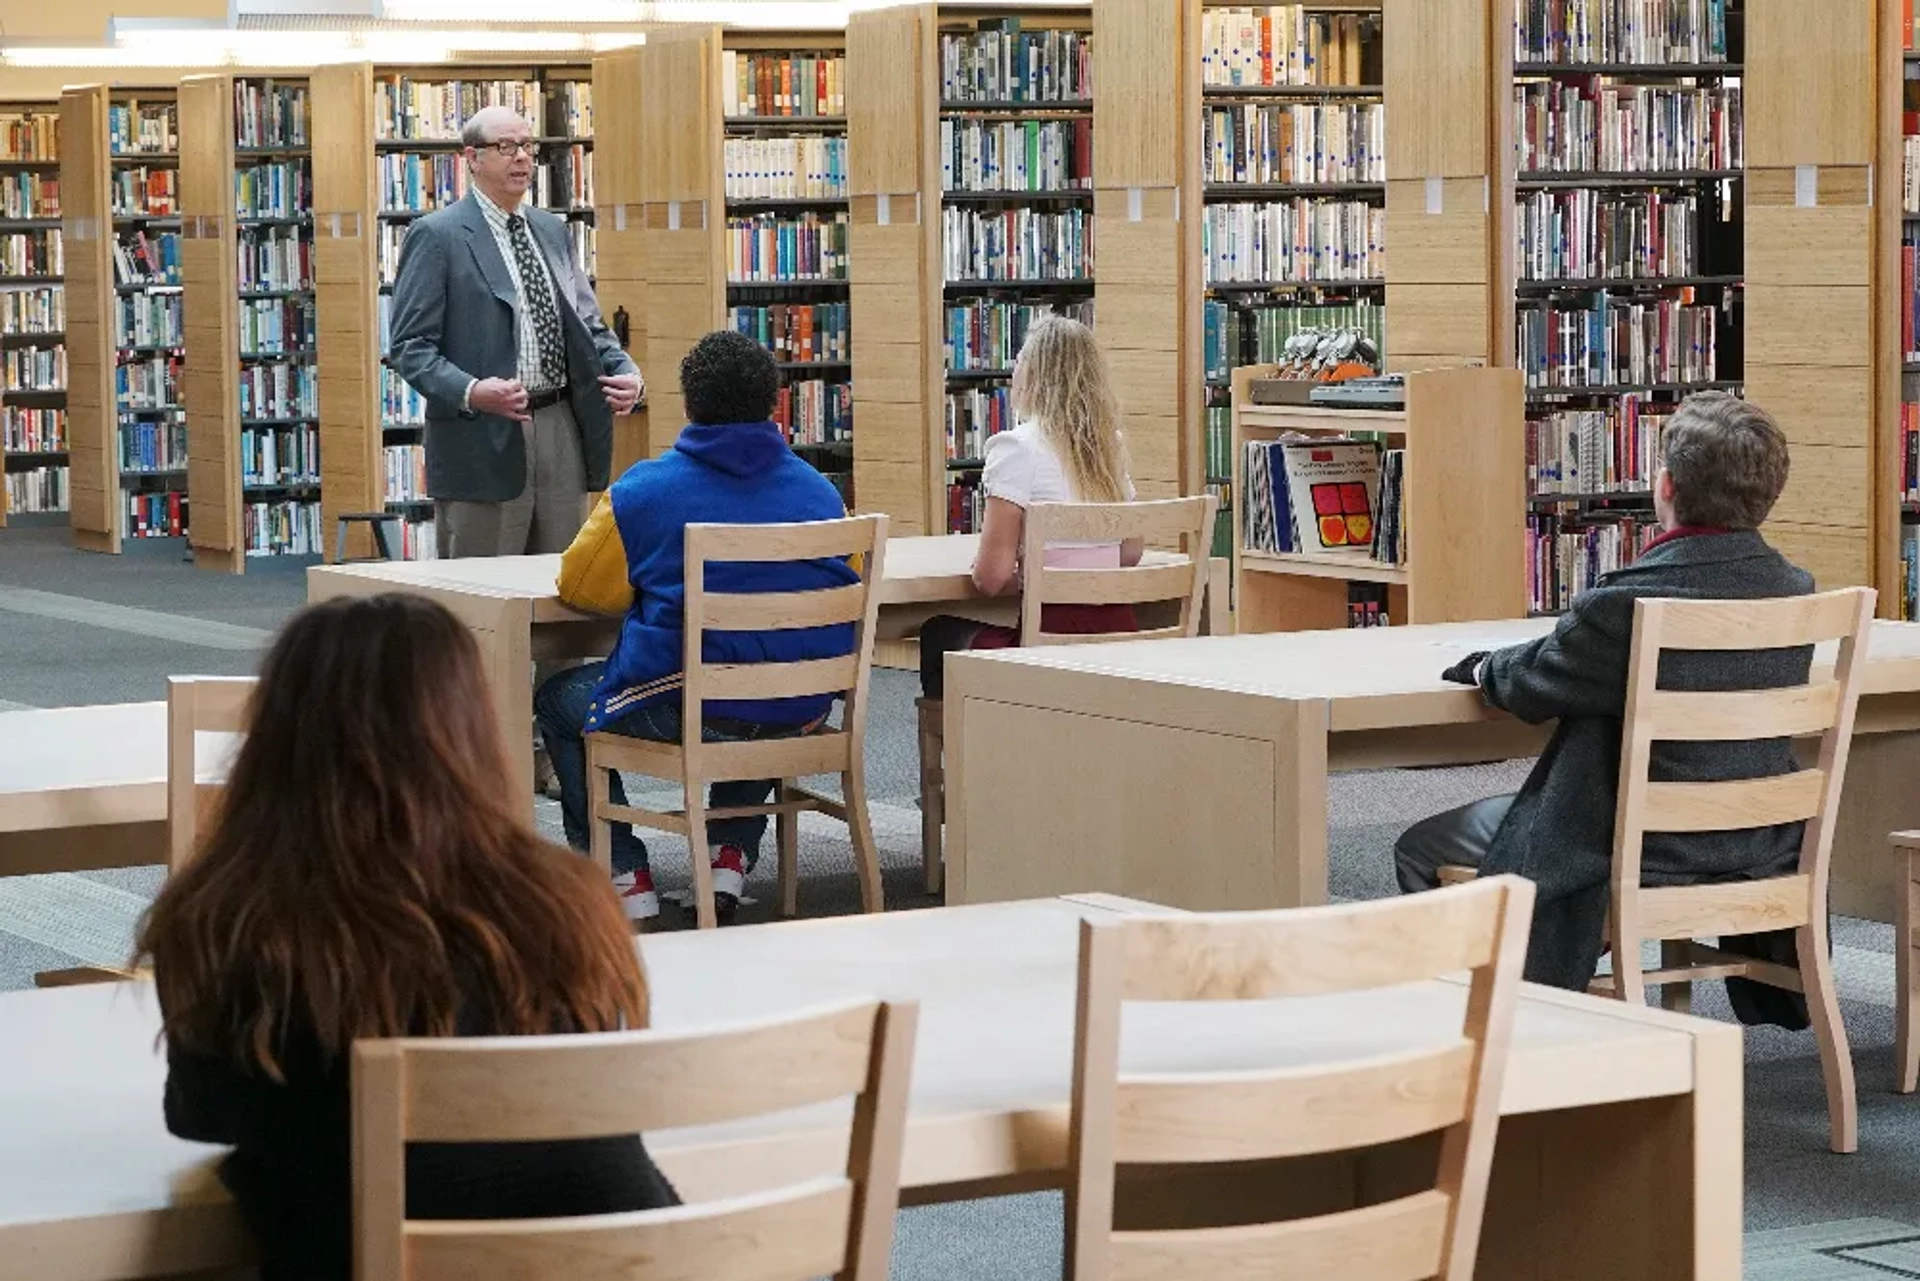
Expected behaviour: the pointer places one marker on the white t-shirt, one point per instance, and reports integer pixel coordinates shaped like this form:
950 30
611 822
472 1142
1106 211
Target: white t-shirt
1023 469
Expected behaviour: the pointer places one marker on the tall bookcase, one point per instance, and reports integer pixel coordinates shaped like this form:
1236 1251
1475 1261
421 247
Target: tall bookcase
120 223
1896 350
386 150
33 356
620 231
247 259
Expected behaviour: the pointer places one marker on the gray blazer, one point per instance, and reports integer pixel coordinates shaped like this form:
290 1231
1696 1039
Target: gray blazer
1559 833
453 321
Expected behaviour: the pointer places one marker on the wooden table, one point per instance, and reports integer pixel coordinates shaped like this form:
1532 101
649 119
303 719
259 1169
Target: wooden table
510 605
1620 1154
1194 772
83 787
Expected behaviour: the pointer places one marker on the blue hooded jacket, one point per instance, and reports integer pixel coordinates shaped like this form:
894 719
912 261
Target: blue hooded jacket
733 474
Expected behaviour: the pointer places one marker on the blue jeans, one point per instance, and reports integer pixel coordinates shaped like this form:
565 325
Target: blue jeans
560 706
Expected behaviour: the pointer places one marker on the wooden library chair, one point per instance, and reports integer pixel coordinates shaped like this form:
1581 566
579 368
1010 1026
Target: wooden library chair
693 763
1451 1088
533 1088
1183 522
195 705
1680 915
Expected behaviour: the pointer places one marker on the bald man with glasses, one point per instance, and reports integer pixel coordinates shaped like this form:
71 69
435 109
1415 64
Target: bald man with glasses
494 323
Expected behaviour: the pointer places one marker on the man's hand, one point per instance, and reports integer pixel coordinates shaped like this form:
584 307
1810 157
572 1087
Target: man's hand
502 396
623 391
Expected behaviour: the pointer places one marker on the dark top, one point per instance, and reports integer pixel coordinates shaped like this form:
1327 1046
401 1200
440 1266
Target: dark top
1559 832
291 1169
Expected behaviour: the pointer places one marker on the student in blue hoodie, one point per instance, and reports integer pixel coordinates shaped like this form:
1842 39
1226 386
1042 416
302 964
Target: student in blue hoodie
731 465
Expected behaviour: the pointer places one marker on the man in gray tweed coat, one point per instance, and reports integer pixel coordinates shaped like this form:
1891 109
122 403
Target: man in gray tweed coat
1724 462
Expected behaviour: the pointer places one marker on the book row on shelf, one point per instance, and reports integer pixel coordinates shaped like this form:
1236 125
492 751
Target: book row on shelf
36 309
813 411
400 404
776 248
280 455
31 253
417 541
33 369
1217 448
281 529
141 128
1590 126
142 191
283 189
30 193
148 320
564 180
31 135
569 109
1016 244
986 334
269 114
1568 552
159 515
1252 333
966 505
149 382
406 473
39 489
1623 31
1303 142
1614 342
152 445
998 62
409 110
1016 155
1293 241
974 415
274 259
1584 234
1322 497
279 391
277 325
1284 44
798 332
27 430
782 84
415 182
1614 450
140 258
1909 573
809 167
1222 492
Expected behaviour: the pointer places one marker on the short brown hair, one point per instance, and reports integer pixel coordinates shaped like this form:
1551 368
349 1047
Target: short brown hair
1728 460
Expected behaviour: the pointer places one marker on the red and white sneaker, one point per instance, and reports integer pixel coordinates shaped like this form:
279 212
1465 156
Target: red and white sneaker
637 897
729 863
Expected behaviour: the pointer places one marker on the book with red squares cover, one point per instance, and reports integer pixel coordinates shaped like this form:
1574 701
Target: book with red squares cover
1338 482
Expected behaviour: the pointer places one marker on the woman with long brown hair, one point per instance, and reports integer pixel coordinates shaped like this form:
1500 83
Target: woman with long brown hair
367 876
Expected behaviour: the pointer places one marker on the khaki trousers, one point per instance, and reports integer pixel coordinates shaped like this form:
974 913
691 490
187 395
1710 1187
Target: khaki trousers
548 512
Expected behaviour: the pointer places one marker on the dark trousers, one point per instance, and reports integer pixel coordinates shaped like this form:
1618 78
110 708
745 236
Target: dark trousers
560 707
1461 838
941 635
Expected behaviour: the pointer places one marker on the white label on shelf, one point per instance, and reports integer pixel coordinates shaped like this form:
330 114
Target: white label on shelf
1806 186
1136 204
883 209
1486 195
673 215
1436 197
619 217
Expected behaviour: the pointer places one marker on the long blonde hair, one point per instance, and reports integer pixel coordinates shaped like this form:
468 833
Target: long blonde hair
1060 382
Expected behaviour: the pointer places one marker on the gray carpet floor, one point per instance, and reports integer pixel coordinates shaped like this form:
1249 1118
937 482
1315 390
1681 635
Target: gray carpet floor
77 628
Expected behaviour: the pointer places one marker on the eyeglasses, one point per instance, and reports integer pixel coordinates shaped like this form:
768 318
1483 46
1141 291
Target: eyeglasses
507 148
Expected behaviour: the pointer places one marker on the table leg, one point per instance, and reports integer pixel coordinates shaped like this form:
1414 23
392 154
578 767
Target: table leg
1217 619
1878 799
506 656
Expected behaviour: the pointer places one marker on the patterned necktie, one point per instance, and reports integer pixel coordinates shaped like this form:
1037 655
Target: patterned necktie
542 311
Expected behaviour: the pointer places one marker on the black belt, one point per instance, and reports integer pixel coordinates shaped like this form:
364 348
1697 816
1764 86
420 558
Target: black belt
537 400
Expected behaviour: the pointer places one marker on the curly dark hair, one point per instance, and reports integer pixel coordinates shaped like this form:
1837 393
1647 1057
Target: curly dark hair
729 378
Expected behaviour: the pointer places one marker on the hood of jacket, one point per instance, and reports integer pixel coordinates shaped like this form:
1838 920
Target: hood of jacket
738 449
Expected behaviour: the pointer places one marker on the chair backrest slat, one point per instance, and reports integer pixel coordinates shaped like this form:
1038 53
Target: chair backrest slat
1403 1240
802 540
793 1233
1186 522
1784 623
1451 1087
780 680
1733 806
782 611
1173 1120
1684 716
509 1088
197 705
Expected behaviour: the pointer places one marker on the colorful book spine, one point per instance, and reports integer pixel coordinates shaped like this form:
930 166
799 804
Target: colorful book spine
1592 126
1306 142
1641 32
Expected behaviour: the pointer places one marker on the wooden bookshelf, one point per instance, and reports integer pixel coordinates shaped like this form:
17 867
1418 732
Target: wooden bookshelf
1463 503
33 454
620 227
100 422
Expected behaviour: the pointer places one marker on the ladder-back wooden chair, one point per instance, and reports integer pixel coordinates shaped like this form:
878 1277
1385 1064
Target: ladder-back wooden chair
1451 1088
693 763
1680 915
1186 523
537 1088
